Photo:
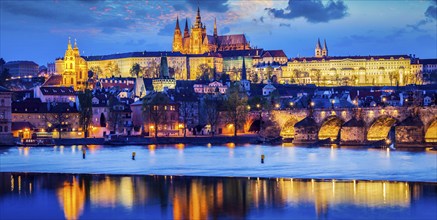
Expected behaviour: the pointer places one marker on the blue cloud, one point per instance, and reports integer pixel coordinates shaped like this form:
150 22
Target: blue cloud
313 11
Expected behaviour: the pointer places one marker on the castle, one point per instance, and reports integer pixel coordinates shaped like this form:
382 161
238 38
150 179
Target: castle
197 41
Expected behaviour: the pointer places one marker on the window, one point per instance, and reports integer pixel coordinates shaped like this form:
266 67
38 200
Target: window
6 128
2 102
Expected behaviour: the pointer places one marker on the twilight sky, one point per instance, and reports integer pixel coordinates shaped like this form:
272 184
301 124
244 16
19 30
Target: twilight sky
38 30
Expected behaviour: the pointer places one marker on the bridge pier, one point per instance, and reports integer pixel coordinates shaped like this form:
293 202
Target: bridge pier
306 131
410 131
353 132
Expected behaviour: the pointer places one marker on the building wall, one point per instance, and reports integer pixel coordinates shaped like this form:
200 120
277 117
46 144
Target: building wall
359 72
22 68
5 118
210 61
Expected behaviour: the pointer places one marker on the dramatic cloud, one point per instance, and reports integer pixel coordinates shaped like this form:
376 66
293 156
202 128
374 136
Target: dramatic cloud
284 25
313 11
431 12
211 5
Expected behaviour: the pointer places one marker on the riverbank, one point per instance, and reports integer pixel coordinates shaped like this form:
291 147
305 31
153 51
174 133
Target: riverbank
243 139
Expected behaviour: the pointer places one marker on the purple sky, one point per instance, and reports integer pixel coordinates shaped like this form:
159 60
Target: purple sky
39 30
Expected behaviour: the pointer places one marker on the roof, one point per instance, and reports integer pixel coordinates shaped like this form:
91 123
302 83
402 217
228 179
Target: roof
21 62
3 89
133 54
53 80
240 53
21 125
231 39
60 91
274 53
376 57
34 105
428 61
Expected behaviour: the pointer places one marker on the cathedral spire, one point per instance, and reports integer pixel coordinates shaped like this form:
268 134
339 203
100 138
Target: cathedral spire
324 45
177 23
198 23
186 31
75 43
215 27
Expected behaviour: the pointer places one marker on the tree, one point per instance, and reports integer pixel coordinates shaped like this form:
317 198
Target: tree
4 76
392 75
212 112
115 118
186 112
58 116
97 71
254 77
318 77
269 72
102 120
154 109
236 107
135 70
205 72
152 70
86 110
296 75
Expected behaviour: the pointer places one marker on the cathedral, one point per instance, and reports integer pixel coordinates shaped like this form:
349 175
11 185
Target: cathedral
197 41
73 68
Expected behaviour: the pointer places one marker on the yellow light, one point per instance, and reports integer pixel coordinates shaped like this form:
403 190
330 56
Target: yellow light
333 101
152 127
291 103
230 125
248 107
181 125
277 105
312 103
387 141
258 105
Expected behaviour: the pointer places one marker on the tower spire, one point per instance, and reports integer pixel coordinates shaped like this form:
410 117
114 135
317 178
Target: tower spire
318 46
186 31
198 23
69 43
75 43
215 27
324 45
177 23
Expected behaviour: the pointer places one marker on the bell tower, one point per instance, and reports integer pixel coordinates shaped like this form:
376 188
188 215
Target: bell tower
318 50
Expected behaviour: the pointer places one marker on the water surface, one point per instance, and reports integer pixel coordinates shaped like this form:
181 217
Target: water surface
227 160
83 196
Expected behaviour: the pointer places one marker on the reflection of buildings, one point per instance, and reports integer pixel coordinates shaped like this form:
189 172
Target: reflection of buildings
72 198
203 198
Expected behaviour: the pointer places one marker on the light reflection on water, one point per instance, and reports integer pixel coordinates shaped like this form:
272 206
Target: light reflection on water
129 197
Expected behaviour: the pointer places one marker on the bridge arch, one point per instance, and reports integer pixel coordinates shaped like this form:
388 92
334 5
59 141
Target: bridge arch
255 125
330 128
431 132
380 128
287 130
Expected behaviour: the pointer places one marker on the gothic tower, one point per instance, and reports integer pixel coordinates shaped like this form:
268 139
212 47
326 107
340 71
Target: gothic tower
177 38
197 34
325 49
318 50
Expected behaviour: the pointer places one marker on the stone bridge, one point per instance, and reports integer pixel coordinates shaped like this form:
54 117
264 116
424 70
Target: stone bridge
409 125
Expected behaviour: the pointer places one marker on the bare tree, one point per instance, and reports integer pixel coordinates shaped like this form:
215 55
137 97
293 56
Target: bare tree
212 113
236 108
154 109
186 112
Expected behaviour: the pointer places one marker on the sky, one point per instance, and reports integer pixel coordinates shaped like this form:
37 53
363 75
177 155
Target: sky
38 30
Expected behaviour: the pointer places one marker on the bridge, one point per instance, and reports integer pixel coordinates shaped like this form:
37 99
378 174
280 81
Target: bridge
405 125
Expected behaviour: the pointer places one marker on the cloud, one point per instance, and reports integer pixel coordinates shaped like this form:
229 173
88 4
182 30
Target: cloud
284 25
261 19
313 11
210 5
431 12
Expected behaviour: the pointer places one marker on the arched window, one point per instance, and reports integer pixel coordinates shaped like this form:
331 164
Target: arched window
1 129
71 66
72 81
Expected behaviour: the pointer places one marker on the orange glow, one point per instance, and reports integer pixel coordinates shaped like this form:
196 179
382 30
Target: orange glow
72 199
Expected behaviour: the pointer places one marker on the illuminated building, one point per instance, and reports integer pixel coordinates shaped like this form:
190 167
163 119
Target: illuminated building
198 42
5 116
73 68
164 81
327 70
22 68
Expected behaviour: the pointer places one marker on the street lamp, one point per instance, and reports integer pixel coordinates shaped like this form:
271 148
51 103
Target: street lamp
277 105
332 103
291 104
312 104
